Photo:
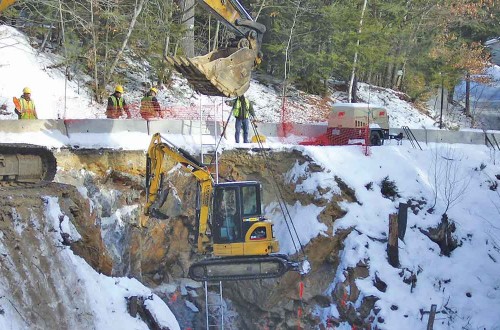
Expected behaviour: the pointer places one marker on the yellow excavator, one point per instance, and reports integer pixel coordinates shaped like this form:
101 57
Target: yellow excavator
227 70
231 230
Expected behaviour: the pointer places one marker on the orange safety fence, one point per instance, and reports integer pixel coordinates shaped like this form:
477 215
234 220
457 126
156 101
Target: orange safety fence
207 112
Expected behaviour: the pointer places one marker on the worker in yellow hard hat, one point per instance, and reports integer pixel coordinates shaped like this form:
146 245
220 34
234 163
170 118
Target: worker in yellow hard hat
117 106
150 107
25 106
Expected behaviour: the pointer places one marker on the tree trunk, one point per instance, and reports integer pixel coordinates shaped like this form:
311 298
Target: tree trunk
355 61
467 94
216 37
94 52
137 11
390 76
288 46
187 41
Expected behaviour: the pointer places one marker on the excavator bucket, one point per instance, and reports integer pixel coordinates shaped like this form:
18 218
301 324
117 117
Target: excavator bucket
223 72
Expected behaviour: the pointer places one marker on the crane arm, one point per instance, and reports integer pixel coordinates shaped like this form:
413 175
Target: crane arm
235 17
160 148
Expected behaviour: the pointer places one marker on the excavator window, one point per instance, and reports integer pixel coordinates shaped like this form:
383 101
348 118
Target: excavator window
227 218
250 197
236 207
258 234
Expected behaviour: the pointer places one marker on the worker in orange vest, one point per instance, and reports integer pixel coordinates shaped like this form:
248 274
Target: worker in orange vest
150 108
25 106
117 105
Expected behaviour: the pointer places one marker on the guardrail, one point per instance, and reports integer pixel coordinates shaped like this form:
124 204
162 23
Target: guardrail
291 132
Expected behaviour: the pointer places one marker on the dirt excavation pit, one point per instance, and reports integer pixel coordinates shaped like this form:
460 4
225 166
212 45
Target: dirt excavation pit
109 199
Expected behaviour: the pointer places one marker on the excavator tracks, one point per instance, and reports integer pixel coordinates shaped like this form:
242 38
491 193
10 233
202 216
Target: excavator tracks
25 165
241 268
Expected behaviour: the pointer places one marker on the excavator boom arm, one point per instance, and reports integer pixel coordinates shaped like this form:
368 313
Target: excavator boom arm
233 15
157 150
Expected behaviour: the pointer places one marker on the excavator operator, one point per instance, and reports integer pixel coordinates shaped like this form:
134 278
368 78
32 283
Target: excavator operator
227 216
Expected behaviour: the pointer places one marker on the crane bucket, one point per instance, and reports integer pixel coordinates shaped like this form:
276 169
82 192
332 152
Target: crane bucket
223 72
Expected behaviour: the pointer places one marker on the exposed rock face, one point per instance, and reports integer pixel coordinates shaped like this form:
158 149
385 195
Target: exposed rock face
159 252
42 291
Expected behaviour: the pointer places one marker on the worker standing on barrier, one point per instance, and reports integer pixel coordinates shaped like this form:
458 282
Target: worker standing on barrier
117 105
150 107
242 110
25 106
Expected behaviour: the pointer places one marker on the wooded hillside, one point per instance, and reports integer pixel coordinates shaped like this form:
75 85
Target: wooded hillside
407 45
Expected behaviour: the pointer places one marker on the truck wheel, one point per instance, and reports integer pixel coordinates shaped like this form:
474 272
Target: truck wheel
375 139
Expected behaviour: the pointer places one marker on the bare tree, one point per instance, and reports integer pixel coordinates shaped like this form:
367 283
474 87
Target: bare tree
355 61
137 10
286 62
450 179
187 42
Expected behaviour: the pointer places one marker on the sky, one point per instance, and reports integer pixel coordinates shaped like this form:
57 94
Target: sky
465 286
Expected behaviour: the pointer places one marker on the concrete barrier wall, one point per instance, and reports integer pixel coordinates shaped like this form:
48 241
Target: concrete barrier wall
445 136
105 126
188 127
17 126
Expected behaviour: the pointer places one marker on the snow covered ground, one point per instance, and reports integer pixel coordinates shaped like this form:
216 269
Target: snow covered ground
465 286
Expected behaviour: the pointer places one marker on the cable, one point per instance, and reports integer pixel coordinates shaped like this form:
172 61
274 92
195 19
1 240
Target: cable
284 209
222 134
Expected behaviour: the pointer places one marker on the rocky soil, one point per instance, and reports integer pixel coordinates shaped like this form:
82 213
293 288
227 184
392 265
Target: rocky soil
42 290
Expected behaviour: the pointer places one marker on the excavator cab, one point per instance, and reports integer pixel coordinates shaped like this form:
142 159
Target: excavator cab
238 227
